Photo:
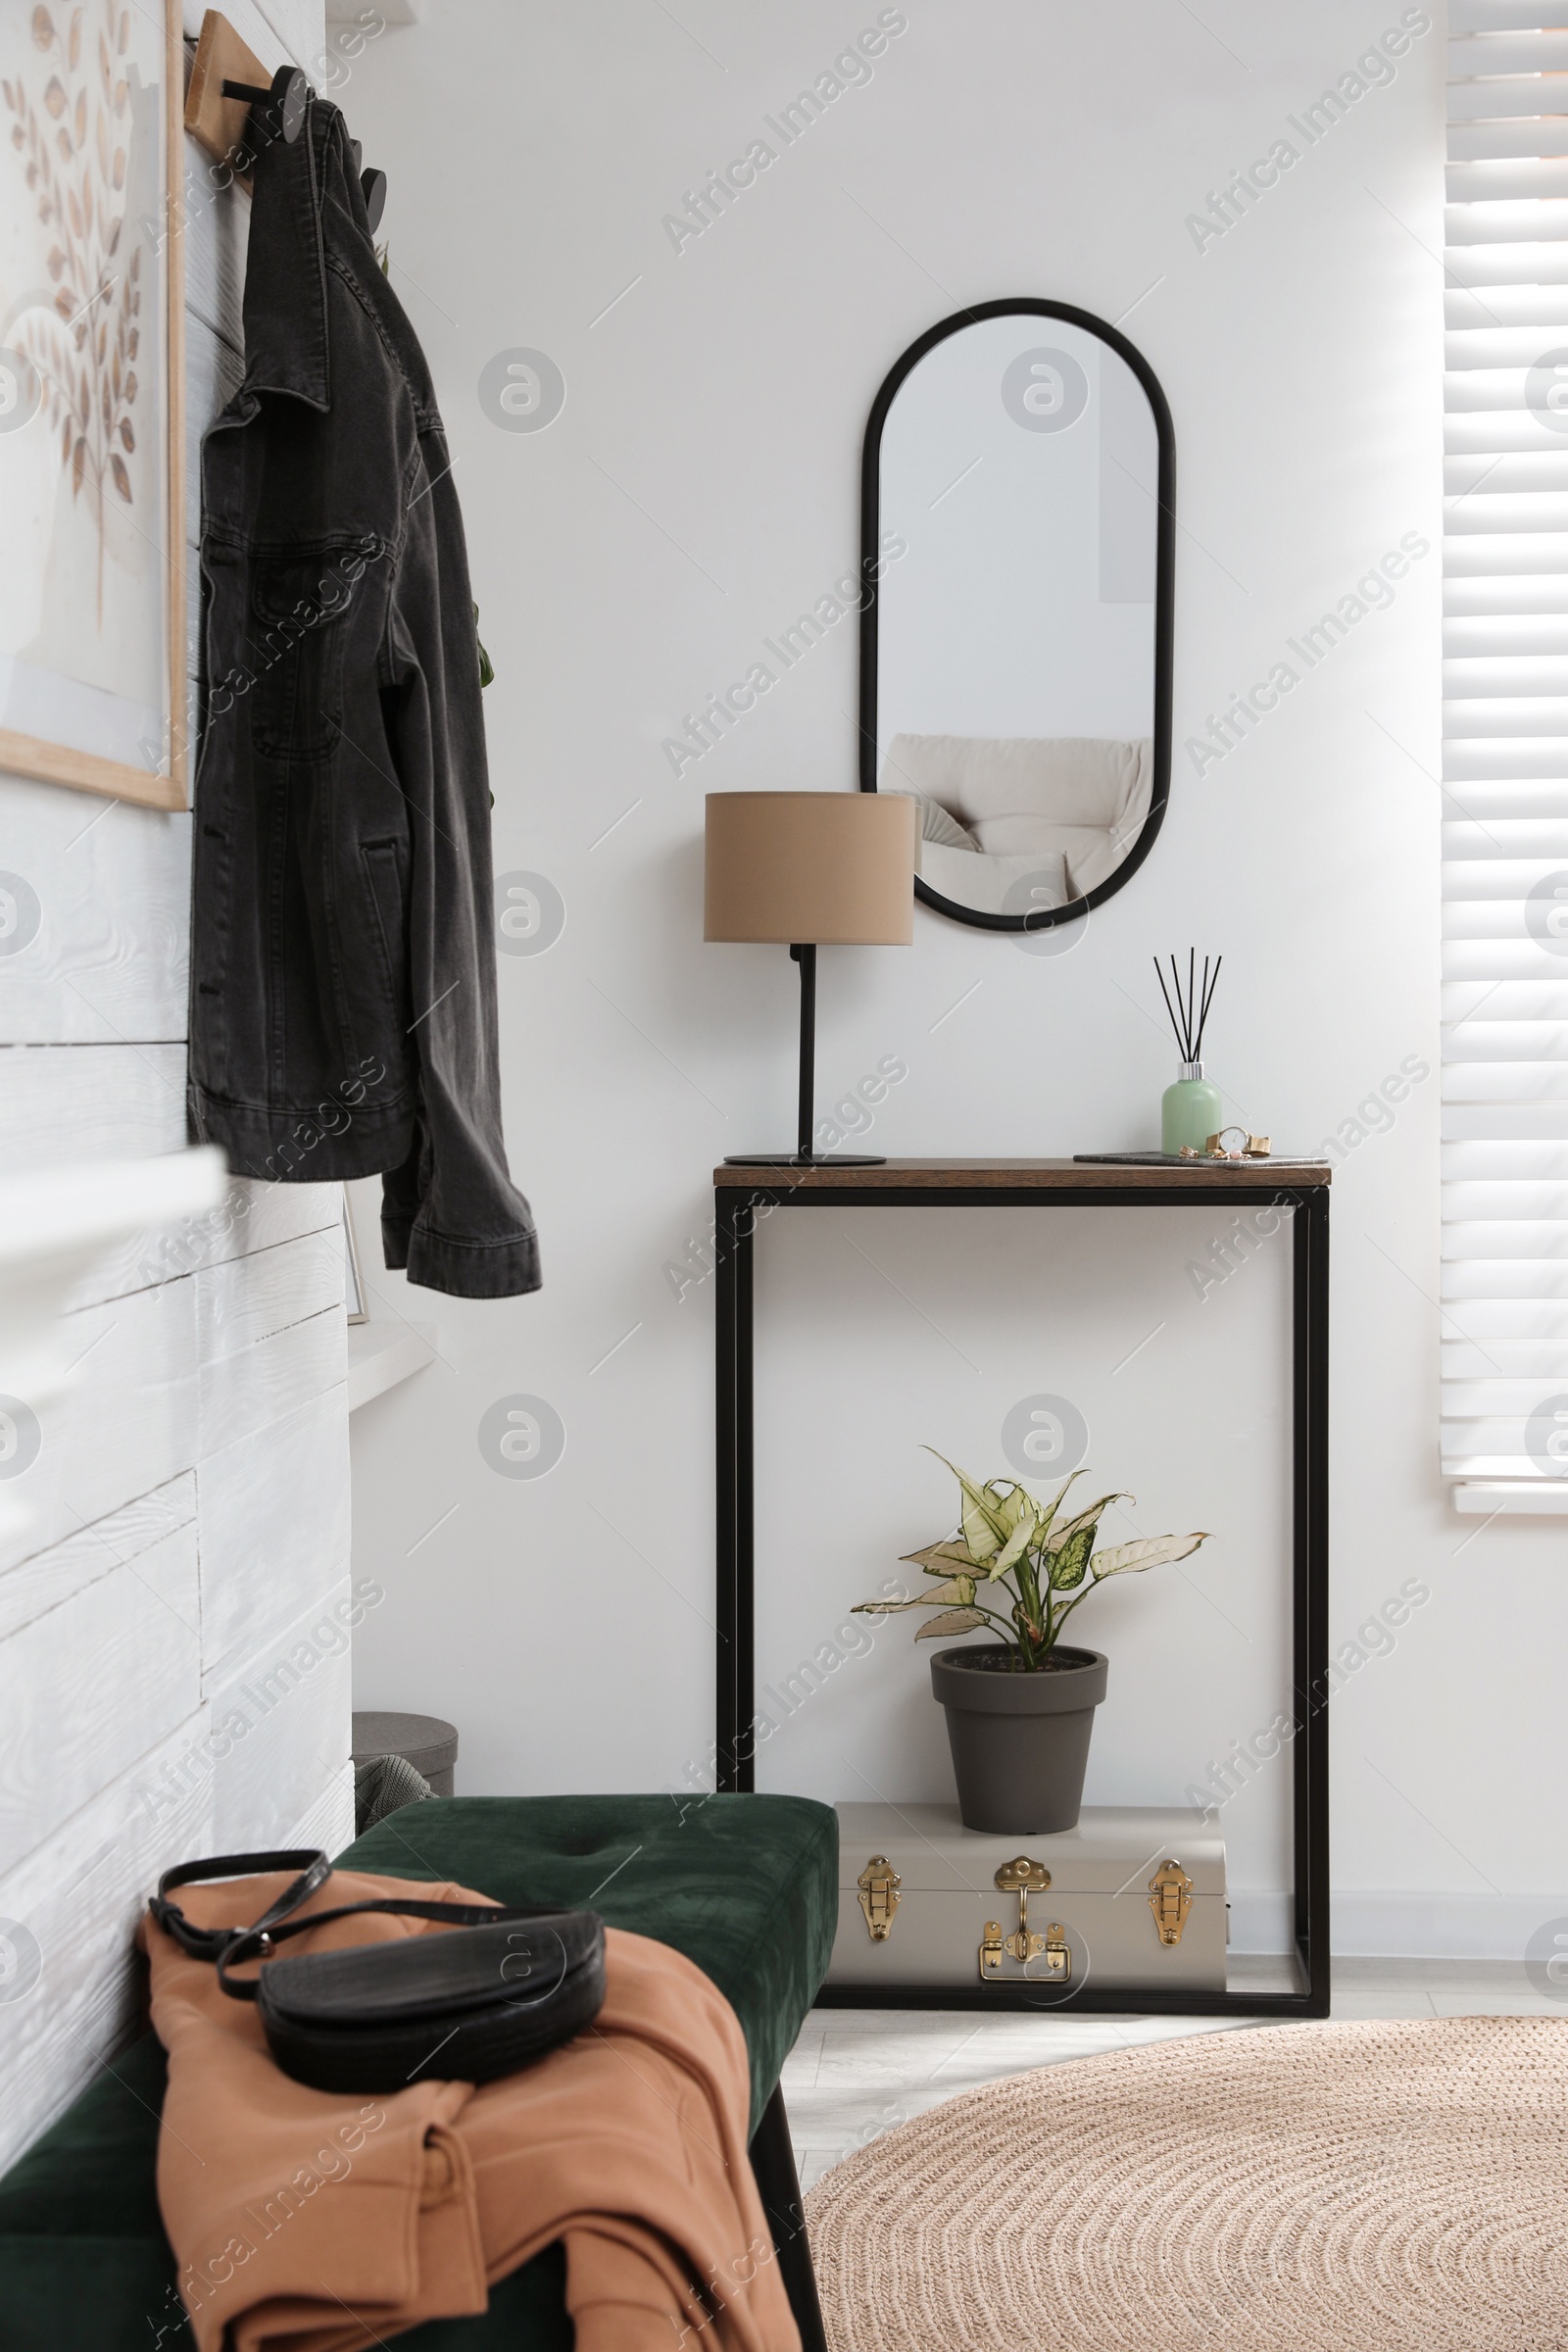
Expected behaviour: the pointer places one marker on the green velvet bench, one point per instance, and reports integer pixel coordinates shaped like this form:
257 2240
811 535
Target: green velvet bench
745 1885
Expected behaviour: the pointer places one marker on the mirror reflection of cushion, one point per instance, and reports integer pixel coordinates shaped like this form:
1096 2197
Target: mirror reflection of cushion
997 885
1080 795
937 823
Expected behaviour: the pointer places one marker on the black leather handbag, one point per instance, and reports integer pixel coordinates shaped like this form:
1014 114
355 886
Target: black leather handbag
505 1986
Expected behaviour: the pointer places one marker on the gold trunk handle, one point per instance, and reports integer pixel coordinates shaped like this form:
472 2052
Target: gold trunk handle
1023 1877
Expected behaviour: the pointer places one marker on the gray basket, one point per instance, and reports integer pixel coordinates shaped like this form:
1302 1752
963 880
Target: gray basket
422 1741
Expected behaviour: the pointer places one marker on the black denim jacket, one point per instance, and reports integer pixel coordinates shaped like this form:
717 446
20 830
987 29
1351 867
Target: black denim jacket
343 1013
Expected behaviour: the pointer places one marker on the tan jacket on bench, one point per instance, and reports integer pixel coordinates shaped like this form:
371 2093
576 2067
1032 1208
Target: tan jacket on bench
306 2221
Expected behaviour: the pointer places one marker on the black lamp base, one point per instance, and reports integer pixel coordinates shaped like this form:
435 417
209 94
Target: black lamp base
804 1159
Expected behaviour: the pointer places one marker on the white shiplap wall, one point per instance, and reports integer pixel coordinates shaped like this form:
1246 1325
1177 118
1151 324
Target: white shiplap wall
191 1511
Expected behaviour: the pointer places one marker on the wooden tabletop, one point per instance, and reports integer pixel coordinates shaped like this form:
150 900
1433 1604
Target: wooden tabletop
1020 1175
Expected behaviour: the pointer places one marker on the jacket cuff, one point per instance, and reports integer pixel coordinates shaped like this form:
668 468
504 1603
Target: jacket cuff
506 1269
395 1232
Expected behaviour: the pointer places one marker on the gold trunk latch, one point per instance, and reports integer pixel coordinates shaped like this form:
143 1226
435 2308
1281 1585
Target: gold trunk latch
879 1885
1024 1878
1171 1898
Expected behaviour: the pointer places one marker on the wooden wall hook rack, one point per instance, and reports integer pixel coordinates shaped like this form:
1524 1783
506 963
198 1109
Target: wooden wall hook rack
217 122
226 80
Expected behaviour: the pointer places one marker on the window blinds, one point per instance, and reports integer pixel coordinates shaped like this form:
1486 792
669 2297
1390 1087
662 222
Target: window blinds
1505 751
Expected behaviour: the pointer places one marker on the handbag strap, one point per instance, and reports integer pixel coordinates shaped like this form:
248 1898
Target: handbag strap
231 1946
209 1944
261 1939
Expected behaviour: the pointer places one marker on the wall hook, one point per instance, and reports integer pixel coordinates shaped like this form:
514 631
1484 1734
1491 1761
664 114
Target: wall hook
228 79
285 100
372 185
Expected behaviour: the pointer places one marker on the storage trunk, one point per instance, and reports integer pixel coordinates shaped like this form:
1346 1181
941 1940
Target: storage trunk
1133 1897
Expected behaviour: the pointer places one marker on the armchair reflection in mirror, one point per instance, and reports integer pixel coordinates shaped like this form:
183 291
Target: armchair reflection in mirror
1016 665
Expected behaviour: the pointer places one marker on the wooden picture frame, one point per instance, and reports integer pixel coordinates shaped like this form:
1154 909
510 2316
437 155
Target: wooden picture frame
94 179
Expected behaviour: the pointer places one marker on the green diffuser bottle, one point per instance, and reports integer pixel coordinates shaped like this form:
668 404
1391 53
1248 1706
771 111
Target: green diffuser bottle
1190 1110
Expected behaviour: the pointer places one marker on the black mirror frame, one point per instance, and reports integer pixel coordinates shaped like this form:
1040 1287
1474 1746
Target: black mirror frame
1165 594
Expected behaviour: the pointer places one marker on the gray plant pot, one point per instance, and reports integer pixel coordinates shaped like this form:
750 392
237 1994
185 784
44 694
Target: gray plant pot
1020 1742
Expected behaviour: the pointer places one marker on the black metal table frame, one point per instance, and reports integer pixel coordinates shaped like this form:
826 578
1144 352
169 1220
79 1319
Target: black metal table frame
736 1208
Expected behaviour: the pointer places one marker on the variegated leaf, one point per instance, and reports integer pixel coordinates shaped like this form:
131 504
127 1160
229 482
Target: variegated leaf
981 1535
1014 1550
983 1528
953 1589
1067 1566
1083 1518
1012 1503
1152 1552
953 1621
1046 1512
940 1559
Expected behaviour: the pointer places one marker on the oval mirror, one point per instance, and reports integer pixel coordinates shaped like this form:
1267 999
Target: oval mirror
1018 539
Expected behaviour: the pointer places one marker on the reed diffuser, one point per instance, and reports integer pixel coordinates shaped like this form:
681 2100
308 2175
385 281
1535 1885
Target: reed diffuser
1189 1111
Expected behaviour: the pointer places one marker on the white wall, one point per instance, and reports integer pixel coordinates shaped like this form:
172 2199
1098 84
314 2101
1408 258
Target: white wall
699 491
193 1522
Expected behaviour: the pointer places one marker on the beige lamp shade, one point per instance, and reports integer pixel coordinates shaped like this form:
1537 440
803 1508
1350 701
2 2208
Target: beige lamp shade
832 868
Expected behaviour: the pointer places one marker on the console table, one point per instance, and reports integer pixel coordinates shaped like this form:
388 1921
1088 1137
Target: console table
1300 1189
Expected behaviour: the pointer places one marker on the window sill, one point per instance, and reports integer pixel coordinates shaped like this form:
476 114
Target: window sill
1512 1497
380 1355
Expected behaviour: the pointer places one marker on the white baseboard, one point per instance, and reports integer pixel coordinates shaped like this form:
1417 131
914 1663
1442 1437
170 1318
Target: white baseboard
1440 1927
1376 1925
1260 1922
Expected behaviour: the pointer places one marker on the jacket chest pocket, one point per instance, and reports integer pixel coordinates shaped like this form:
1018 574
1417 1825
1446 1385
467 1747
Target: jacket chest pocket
299 612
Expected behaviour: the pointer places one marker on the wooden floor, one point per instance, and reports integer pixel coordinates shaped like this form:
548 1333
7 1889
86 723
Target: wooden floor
855 2074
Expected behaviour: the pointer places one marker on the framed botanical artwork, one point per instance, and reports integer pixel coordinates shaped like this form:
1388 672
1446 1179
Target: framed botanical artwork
92 372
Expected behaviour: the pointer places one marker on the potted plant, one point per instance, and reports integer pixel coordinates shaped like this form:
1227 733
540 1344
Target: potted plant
1020 1710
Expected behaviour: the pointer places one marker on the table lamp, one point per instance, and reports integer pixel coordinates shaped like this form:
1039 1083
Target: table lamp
809 869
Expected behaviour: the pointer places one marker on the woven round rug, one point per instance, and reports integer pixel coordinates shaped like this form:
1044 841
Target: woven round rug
1379 2187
